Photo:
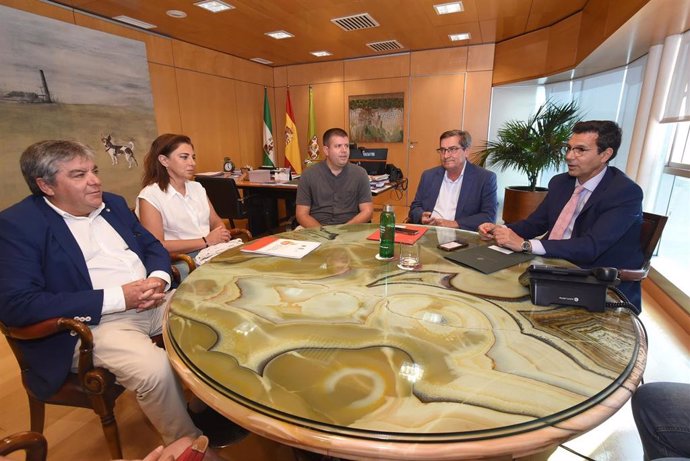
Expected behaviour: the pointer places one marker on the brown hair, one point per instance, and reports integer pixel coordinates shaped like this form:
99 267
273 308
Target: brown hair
465 137
331 133
154 171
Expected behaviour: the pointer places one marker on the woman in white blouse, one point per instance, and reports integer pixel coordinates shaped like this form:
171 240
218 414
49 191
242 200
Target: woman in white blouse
174 207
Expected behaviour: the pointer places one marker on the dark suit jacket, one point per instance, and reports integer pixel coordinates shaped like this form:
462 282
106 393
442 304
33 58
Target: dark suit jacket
43 274
477 202
606 232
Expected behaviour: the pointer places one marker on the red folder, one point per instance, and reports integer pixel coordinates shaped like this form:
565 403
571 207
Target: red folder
403 238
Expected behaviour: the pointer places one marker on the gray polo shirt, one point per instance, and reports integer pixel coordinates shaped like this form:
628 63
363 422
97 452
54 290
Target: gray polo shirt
333 199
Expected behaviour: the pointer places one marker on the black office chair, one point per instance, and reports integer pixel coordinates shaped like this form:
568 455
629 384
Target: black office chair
225 197
650 234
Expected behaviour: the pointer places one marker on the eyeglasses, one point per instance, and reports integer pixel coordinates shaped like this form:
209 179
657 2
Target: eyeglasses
577 150
450 150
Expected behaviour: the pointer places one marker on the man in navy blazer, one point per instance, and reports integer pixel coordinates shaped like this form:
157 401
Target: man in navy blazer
604 230
456 194
71 250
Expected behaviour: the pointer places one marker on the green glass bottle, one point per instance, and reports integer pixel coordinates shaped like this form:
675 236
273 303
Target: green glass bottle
387 230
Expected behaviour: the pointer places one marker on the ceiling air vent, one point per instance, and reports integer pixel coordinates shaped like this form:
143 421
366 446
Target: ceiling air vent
387 45
355 22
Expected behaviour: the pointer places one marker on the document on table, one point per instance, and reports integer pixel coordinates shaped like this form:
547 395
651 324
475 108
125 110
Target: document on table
285 248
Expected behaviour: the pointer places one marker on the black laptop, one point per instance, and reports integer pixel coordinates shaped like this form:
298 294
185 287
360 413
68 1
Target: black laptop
487 260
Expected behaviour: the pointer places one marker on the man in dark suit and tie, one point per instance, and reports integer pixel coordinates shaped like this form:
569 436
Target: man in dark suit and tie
72 250
457 193
592 214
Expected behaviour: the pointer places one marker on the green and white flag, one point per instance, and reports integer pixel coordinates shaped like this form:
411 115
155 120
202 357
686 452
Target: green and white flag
269 149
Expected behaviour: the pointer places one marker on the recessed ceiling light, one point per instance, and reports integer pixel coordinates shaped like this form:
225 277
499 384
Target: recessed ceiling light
458 37
134 22
261 61
448 8
321 54
214 6
177 14
279 34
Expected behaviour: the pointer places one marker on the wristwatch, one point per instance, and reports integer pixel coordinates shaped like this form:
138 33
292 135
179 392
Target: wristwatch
526 246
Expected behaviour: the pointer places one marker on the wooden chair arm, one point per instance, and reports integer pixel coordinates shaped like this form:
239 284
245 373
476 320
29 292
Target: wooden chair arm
34 443
237 231
185 258
93 379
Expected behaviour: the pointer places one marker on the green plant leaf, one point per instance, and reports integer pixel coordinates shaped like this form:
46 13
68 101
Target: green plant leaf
533 145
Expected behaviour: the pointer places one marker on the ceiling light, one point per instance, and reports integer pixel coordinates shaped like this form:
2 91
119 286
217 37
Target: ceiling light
261 61
177 14
279 34
448 8
214 6
458 37
134 22
321 54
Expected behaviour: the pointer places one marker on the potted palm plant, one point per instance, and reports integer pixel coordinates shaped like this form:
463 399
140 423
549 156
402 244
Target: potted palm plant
530 146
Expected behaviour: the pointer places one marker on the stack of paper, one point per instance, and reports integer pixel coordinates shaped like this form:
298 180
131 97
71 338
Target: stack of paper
285 248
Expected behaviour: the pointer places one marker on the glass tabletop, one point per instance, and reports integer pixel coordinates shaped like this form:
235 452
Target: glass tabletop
342 343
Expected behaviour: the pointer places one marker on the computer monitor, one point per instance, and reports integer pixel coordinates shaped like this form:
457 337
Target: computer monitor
372 160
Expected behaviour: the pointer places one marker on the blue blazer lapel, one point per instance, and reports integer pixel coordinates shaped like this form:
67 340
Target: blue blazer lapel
64 238
599 192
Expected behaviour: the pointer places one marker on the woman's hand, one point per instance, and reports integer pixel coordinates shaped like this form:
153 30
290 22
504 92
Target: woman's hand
218 235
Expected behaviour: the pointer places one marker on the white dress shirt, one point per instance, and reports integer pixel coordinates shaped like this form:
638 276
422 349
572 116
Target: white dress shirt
109 260
448 195
184 216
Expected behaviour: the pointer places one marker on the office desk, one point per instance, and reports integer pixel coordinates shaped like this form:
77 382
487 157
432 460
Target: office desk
340 353
263 206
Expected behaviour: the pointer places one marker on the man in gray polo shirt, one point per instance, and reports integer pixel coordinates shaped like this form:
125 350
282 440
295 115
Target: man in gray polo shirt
334 191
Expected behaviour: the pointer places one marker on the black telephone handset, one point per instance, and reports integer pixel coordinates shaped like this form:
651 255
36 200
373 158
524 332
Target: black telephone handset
570 286
602 274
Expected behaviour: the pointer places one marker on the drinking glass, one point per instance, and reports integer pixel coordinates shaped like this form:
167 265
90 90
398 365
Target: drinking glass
409 257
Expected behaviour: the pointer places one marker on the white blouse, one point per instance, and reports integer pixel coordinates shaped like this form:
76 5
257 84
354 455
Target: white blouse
184 216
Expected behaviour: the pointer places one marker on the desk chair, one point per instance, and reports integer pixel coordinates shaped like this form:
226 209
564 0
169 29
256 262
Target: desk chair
33 443
650 234
225 198
92 387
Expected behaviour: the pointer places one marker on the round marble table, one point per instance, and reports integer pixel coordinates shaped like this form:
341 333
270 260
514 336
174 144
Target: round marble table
343 354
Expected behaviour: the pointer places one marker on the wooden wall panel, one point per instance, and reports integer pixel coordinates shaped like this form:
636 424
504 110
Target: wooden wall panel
377 67
165 102
436 105
445 61
208 109
521 58
328 106
212 62
480 57
477 107
321 72
562 50
250 100
280 76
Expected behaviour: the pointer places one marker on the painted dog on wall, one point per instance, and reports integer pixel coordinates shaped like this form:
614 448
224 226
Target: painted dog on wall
114 150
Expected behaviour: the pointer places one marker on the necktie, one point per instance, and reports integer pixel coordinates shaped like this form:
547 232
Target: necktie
566 215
